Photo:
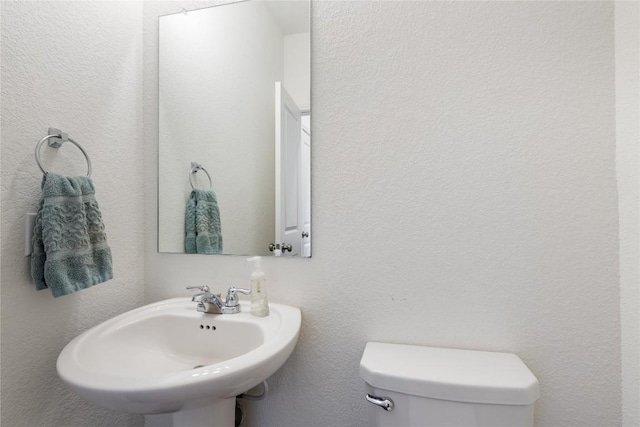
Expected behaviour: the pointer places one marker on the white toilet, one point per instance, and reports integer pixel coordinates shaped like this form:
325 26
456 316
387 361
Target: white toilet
418 386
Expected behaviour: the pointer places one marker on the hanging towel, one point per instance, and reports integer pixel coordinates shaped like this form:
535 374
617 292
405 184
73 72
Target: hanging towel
70 250
202 224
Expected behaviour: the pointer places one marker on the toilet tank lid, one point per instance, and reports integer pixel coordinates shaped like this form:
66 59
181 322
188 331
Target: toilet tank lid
449 374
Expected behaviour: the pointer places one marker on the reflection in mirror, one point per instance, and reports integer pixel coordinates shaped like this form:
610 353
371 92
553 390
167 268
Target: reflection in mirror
234 130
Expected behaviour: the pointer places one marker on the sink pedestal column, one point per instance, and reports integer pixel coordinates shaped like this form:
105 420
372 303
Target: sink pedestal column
213 413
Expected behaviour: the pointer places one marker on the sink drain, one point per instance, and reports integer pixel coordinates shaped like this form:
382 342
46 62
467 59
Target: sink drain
198 366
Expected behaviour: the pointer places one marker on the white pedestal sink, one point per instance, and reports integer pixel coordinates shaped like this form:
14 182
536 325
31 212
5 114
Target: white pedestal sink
167 358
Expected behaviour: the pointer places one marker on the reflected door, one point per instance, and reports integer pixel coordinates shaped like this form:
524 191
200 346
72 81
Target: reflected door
289 215
305 189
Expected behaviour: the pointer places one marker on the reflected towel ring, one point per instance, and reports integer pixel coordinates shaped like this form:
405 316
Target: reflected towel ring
61 137
195 167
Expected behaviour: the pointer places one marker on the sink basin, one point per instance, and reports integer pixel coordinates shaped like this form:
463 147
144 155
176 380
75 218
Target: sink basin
167 357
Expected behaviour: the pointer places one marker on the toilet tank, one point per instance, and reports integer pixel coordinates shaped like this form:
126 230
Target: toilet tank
429 386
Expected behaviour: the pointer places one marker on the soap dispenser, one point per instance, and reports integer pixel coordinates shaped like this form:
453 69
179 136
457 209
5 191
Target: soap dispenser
259 303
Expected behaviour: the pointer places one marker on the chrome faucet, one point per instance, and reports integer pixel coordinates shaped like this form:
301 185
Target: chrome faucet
213 304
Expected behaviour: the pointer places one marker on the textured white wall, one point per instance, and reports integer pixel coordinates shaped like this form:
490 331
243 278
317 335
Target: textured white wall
627 45
77 66
217 108
464 195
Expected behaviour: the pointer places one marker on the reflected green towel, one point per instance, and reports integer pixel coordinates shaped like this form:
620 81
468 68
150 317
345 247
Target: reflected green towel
202 224
70 250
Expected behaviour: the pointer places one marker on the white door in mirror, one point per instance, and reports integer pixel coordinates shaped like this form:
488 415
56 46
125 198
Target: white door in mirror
305 189
292 176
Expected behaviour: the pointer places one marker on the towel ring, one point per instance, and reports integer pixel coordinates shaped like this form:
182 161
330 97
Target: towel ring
61 137
195 167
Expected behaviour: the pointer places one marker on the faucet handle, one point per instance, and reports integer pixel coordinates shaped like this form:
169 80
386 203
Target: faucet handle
204 291
204 288
232 296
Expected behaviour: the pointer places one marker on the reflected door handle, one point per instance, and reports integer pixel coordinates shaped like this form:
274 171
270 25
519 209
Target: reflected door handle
305 234
286 247
274 246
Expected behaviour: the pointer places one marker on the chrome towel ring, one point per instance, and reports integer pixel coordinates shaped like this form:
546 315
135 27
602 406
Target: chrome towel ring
195 167
56 138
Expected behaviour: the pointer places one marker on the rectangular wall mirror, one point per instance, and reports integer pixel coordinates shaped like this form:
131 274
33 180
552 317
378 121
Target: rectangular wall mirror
234 125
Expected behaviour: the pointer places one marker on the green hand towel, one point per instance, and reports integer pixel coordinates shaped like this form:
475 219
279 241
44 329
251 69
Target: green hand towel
70 250
202 224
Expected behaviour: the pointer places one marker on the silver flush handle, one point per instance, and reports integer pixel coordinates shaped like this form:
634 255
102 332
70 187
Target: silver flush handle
384 402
